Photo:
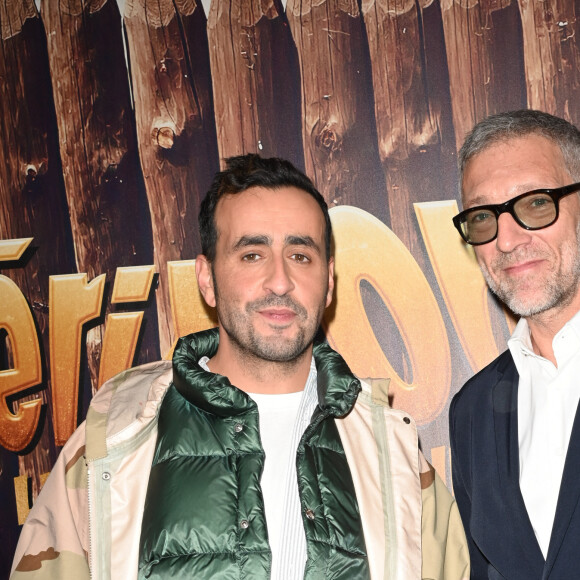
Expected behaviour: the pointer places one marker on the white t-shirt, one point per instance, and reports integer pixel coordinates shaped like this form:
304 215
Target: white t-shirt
278 415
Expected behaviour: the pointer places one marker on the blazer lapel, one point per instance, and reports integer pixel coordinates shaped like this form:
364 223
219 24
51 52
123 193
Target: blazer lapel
568 496
505 403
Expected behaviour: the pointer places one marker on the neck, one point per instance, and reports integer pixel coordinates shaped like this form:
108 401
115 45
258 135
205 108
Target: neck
255 375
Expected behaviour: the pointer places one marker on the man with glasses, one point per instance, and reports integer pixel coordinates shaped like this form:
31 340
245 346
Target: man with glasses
514 427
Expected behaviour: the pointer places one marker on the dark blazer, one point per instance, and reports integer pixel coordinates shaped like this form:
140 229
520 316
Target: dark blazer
485 463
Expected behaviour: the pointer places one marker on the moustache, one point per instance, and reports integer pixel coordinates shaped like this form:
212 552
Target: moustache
273 301
507 260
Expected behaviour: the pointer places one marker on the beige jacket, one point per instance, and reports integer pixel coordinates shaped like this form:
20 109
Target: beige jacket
86 523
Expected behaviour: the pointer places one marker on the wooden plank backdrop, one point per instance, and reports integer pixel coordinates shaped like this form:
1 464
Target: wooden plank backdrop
114 117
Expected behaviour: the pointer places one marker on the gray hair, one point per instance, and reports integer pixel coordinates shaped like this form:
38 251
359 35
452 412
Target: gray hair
515 124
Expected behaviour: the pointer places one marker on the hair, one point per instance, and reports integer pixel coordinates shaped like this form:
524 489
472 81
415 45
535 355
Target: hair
515 124
242 173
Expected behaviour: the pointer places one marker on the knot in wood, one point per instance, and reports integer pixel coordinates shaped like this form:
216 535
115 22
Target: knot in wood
164 137
328 139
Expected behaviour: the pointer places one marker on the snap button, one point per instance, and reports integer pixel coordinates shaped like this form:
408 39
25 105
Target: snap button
106 476
238 428
244 524
407 420
309 514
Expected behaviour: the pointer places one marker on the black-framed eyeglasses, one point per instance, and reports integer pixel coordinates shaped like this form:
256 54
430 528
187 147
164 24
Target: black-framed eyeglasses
533 210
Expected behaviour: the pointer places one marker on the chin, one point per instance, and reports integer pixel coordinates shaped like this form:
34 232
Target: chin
529 307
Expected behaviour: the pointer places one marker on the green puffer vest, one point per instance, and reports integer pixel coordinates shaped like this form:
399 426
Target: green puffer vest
204 512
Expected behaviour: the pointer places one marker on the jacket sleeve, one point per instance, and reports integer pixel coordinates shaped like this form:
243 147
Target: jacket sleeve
462 486
445 554
54 539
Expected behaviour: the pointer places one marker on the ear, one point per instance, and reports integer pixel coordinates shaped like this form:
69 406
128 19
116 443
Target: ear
205 279
330 282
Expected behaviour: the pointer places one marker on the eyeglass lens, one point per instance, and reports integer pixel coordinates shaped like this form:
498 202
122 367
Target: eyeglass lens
533 211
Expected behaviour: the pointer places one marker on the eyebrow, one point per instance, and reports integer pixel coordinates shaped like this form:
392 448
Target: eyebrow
245 241
522 188
475 202
302 241
261 240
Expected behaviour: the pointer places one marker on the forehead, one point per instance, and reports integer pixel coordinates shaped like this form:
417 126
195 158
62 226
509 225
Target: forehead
274 212
508 168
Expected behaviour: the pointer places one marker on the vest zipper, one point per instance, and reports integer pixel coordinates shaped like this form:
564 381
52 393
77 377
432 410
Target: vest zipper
91 517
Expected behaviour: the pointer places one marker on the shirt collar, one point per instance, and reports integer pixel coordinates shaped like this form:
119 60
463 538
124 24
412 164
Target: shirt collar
520 339
520 342
573 324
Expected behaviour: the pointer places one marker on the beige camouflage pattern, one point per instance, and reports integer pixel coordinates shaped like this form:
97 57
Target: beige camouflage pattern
418 538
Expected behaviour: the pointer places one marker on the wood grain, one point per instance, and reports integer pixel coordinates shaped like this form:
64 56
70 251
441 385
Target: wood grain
338 128
551 56
171 83
483 39
32 195
256 81
107 205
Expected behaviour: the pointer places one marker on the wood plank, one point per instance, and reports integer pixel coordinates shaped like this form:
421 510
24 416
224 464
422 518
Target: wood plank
551 36
256 81
404 120
408 126
338 130
169 65
479 35
32 197
108 209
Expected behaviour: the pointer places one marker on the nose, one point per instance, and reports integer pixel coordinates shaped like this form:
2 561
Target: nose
510 234
278 278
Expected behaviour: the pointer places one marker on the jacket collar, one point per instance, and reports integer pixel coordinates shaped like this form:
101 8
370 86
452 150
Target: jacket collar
338 388
505 397
568 497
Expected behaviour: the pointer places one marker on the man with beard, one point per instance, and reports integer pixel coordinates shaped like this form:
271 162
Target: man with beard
514 427
258 455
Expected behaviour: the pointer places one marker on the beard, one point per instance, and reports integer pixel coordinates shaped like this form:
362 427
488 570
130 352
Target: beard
238 324
532 296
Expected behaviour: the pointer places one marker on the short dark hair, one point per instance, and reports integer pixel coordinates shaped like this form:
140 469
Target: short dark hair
522 123
242 173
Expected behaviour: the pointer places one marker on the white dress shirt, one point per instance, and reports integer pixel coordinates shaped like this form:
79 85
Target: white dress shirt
547 402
